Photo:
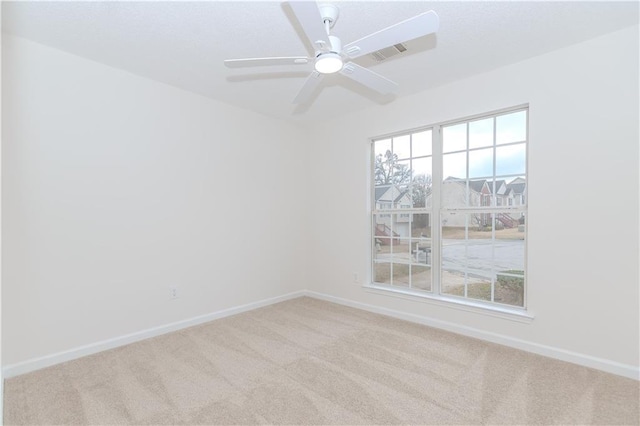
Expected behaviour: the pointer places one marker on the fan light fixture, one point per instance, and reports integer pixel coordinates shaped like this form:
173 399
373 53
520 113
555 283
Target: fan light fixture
328 63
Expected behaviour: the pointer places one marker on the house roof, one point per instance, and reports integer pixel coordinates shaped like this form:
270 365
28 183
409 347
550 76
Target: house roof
499 184
399 197
477 185
517 188
380 190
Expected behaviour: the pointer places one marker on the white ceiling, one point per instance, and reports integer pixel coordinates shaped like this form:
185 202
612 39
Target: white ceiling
184 43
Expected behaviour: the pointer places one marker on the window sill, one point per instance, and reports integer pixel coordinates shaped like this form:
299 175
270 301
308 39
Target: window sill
504 312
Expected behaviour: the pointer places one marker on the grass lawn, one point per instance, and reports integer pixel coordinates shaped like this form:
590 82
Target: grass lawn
482 291
453 284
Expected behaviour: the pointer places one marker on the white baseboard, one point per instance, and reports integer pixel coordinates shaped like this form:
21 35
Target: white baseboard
17 369
625 370
613 367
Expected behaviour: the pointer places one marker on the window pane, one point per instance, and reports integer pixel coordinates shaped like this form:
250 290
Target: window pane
421 239
516 191
478 287
384 168
481 133
454 229
499 192
382 273
421 183
509 258
400 274
381 147
421 143
383 198
510 160
454 138
479 256
481 163
381 249
401 225
421 277
402 175
382 225
454 193
454 166
420 226
511 127
510 287
467 257
401 146
472 258
400 250
392 197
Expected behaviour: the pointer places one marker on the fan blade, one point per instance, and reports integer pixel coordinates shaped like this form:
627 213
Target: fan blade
369 78
309 86
308 15
418 26
259 62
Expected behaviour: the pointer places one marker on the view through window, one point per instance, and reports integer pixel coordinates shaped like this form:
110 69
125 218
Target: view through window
449 209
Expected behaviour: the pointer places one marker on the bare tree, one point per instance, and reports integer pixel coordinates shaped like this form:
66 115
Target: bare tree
420 189
388 170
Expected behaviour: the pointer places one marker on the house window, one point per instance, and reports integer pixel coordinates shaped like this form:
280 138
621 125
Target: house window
459 240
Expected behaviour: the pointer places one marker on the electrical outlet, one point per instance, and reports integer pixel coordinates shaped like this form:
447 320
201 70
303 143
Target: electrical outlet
173 293
356 278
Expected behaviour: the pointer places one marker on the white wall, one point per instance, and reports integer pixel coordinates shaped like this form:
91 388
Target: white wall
116 187
1 364
583 195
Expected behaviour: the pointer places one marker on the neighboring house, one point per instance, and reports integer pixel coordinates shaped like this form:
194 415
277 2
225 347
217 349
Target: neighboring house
391 197
454 194
518 188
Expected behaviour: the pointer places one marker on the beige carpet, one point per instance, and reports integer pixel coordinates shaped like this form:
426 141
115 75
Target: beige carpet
307 361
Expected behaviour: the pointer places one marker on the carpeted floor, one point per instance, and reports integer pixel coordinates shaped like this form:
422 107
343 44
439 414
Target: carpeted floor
307 361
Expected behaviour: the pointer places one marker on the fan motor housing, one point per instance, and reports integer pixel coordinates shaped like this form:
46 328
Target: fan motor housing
329 13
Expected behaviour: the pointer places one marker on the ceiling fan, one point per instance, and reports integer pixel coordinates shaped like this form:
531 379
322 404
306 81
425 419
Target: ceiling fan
332 57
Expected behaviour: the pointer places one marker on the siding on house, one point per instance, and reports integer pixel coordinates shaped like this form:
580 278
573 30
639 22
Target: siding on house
454 195
396 225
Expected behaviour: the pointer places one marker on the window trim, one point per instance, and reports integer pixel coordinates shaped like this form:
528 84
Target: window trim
469 305
515 313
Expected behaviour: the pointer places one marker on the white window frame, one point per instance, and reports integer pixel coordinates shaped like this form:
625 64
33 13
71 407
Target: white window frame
435 296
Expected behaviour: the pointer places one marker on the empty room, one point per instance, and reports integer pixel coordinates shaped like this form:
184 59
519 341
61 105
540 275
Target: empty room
345 212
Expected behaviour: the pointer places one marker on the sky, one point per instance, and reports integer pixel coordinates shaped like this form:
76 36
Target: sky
510 159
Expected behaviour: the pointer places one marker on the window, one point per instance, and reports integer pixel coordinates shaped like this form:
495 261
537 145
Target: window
401 225
460 235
